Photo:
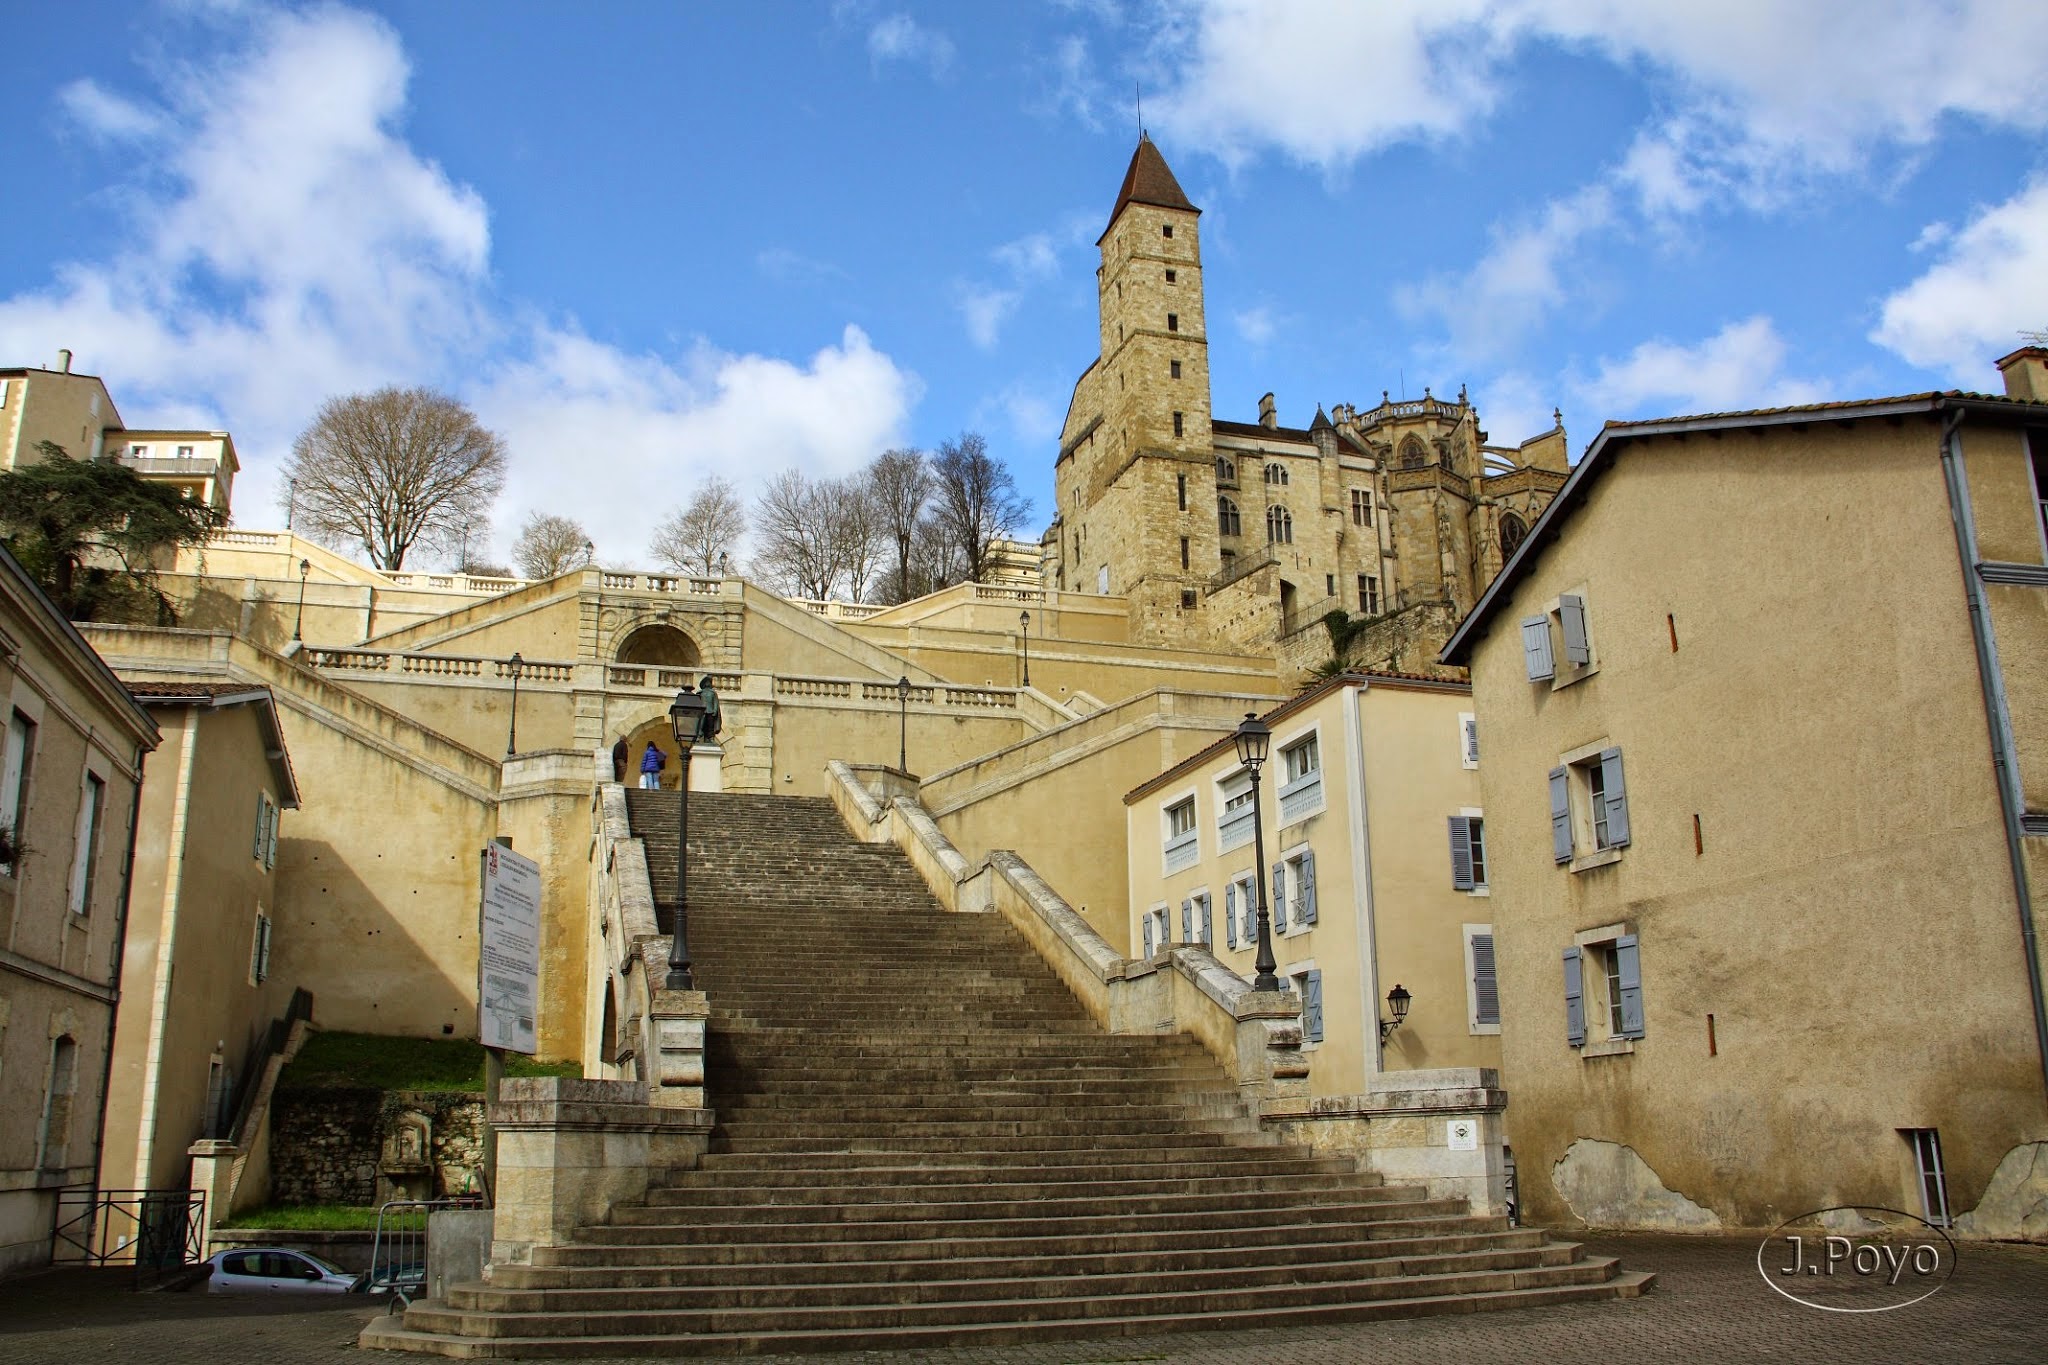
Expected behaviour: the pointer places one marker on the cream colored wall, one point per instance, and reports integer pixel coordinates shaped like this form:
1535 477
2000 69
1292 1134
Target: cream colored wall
213 1006
50 406
1062 667
1848 921
1404 760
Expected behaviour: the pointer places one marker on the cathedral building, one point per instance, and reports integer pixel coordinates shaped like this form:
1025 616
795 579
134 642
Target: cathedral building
1242 535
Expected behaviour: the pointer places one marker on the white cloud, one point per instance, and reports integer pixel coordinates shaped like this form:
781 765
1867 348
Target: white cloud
900 38
1753 92
297 246
984 309
1255 325
1029 260
793 267
613 439
1519 281
1738 367
1969 307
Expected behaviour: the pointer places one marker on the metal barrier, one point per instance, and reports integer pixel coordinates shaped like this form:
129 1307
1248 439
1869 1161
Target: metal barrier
158 1231
398 1254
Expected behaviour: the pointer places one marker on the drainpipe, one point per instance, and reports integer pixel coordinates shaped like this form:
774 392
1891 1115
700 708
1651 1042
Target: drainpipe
166 950
2004 753
99 1136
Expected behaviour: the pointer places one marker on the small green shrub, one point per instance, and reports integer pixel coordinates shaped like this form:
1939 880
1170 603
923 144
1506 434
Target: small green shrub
368 1061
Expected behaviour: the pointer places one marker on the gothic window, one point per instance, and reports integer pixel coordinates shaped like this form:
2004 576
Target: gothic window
1361 507
1279 525
1227 520
1413 456
1226 469
1277 474
1512 532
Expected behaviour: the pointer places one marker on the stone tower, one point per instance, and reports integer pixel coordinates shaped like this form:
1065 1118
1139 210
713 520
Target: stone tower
1135 478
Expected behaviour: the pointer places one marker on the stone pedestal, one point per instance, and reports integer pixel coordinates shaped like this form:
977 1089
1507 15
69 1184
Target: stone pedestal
1440 1129
213 1166
568 1150
675 1048
707 767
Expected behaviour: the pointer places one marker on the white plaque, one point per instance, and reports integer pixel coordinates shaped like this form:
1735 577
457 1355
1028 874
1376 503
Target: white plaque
1462 1135
508 952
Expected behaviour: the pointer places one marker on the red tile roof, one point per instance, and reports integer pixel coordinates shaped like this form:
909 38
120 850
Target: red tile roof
1148 181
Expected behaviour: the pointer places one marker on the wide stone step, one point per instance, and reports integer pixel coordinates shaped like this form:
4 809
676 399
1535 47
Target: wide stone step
733 1173
1077 1204
731 1192
671 1322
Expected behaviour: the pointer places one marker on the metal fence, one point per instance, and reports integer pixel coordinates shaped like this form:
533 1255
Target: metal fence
398 1254
158 1231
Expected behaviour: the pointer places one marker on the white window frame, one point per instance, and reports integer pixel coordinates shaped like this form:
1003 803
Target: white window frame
264 849
1304 793
1468 739
1234 827
24 730
1472 1021
1930 1174
1597 975
1589 821
1183 849
1296 974
85 837
1480 872
1288 863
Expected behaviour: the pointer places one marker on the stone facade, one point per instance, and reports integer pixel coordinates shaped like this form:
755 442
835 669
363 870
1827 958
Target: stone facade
346 1146
1233 534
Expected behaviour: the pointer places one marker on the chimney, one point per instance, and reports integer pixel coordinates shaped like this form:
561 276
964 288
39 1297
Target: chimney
1269 416
2026 374
64 361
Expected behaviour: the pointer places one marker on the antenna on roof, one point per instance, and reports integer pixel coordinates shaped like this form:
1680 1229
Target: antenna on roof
1139 87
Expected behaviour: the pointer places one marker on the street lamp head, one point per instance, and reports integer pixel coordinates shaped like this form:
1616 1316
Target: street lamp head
305 567
1024 619
686 718
1254 741
589 551
903 688
1397 1001
517 663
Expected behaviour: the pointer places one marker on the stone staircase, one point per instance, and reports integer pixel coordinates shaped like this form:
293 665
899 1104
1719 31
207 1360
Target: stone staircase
922 1141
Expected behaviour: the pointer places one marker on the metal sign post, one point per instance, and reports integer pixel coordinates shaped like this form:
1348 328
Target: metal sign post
507 974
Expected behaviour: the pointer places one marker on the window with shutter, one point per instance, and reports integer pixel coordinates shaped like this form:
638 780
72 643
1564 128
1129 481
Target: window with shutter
1279 910
1230 913
1310 985
1461 852
1628 982
1536 649
1574 998
1614 800
1208 925
1468 740
1247 896
1307 904
1148 933
1187 920
1485 984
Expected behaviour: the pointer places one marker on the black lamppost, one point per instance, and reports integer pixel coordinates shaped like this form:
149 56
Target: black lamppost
686 719
903 724
1397 1001
1254 742
589 553
298 626
512 735
1024 620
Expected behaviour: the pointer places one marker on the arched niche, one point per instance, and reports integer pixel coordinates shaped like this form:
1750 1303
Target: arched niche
661 645
1513 530
1413 454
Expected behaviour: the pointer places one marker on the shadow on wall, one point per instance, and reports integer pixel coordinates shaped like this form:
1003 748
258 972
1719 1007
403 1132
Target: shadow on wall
663 646
406 969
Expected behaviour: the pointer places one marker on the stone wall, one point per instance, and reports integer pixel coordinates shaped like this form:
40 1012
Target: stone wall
332 1146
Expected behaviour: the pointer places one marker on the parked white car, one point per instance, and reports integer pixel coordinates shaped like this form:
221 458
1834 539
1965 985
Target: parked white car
278 1270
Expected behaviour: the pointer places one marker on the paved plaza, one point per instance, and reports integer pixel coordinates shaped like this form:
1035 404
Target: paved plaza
1709 1305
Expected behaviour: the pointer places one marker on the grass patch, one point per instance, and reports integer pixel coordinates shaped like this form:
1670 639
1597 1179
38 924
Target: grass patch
369 1061
308 1218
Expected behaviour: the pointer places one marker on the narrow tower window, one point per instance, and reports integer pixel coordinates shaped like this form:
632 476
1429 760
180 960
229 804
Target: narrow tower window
1177 424
1166 229
1173 369
1169 277
1173 322
1181 490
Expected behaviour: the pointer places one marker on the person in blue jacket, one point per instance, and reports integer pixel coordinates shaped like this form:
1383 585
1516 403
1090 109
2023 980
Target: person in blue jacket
651 764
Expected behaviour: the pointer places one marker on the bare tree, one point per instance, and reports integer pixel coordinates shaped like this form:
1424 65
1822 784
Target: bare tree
793 535
393 470
900 482
859 530
975 501
695 537
550 545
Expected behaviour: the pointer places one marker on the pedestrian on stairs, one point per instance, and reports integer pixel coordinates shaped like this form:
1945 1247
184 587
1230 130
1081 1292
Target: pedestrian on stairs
651 764
620 753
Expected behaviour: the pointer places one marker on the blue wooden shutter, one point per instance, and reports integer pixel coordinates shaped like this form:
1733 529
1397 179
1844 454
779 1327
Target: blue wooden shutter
1485 982
262 812
1148 933
1571 614
1312 1008
1279 898
1560 816
1230 913
1616 796
1536 648
1628 966
1308 887
1187 921
1208 923
1461 852
1471 737
1249 897
1574 999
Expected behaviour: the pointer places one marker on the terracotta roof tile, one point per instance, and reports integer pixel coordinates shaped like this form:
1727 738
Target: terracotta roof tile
1148 181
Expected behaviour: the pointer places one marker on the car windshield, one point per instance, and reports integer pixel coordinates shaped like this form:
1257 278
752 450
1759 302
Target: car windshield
325 1264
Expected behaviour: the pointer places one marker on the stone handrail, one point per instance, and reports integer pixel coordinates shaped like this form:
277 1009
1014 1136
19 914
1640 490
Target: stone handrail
1256 1035
996 592
1243 565
686 584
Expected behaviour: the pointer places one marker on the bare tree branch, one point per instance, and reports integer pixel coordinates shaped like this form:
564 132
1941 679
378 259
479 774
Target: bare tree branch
901 484
793 535
975 502
550 545
394 470
697 536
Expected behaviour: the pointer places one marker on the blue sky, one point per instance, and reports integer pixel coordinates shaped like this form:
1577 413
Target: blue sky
654 242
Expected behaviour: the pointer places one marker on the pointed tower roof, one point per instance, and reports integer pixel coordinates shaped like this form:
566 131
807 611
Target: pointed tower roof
1322 420
1148 181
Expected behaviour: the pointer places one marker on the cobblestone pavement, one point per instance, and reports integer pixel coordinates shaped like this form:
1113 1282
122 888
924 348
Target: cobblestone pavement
1709 1305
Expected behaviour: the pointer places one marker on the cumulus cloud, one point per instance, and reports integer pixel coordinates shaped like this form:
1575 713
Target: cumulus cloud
1990 283
1255 325
1741 366
297 246
1029 260
1519 281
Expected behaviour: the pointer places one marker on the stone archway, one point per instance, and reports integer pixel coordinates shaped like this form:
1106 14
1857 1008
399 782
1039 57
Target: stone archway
661 645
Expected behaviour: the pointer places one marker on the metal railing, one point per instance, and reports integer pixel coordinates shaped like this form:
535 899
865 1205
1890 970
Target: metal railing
234 1115
158 1231
398 1252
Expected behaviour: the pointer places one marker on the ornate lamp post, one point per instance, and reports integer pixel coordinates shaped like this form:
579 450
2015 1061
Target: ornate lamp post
298 626
589 553
1024 621
903 724
1397 1001
512 734
686 719
1254 742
